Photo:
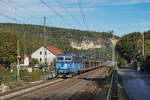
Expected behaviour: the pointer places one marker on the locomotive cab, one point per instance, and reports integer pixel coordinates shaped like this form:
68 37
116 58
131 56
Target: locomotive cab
63 65
68 64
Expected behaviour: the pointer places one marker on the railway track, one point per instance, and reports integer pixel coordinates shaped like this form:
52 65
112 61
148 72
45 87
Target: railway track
60 89
21 91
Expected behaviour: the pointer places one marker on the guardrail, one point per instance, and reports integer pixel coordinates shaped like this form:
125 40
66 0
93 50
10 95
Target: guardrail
113 92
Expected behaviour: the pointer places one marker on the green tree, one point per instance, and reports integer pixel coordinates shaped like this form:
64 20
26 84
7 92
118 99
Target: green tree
61 38
33 62
127 46
8 48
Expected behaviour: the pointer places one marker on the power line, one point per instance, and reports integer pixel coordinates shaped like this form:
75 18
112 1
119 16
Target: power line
56 12
10 4
10 17
29 10
22 7
68 12
82 14
14 16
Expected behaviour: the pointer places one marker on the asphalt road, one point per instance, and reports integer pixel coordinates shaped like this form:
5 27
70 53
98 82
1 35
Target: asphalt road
137 85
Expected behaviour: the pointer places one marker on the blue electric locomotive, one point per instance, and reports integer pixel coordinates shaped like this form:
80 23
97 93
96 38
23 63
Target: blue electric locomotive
68 64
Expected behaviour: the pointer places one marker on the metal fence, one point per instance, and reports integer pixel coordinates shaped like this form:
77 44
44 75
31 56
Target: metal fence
113 92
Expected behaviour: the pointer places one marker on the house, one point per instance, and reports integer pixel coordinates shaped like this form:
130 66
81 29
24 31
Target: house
46 54
26 61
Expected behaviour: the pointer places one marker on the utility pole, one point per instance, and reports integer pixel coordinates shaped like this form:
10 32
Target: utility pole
45 50
18 65
143 44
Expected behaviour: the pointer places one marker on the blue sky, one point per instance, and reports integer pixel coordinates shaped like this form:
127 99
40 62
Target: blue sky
122 16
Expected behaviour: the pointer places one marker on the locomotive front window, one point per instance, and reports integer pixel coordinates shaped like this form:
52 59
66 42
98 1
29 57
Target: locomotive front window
68 58
60 58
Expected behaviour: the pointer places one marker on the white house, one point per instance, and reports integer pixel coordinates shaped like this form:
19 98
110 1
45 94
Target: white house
26 61
46 54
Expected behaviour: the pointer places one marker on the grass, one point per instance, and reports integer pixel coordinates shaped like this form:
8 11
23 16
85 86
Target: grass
10 79
124 66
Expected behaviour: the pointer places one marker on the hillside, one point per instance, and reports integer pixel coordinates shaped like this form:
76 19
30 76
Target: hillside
67 40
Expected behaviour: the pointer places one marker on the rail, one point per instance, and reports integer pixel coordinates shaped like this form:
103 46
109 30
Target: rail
113 92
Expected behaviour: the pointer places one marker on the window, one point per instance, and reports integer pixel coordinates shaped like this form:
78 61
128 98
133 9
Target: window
40 52
40 59
68 58
60 58
45 53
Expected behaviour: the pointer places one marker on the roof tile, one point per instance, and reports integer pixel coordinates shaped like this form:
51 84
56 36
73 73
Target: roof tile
54 50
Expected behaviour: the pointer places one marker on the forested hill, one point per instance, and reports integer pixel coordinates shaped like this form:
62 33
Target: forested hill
67 40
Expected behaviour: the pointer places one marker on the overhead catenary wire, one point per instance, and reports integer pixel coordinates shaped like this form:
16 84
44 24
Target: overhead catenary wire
20 6
58 14
29 11
84 19
66 10
84 23
9 17
76 20
15 7
14 16
82 14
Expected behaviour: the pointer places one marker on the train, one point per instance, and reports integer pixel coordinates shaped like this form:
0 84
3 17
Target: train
70 64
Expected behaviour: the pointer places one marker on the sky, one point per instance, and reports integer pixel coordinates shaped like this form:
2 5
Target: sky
121 16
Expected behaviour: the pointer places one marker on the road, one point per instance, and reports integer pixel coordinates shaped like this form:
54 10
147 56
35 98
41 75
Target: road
136 84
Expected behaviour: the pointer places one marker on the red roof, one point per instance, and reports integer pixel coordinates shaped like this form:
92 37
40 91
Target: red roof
54 50
1 66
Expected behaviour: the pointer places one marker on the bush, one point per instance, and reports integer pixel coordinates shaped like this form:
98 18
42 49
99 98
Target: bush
6 76
34 62
31 76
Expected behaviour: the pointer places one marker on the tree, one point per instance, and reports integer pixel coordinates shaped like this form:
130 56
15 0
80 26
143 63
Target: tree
61 38
8 48
33 62
127 46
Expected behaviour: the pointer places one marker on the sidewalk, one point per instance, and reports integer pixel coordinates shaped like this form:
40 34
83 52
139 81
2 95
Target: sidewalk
137 85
